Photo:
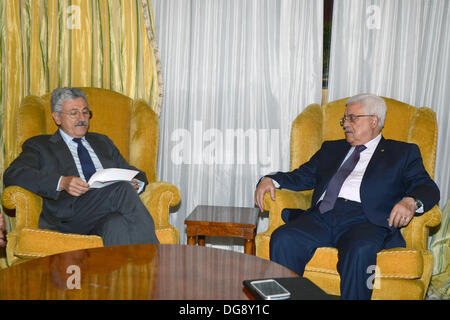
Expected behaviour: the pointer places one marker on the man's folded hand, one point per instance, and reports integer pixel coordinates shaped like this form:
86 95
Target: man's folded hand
74 186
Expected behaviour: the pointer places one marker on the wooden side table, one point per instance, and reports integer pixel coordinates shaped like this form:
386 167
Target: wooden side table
222 221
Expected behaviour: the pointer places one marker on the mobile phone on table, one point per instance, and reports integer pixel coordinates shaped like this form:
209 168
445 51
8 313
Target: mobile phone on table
270 289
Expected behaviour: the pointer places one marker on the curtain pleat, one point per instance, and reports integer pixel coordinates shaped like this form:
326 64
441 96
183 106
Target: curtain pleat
94 43
236 74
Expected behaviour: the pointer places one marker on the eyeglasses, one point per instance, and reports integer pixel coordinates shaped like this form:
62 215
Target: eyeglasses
352 117
75 114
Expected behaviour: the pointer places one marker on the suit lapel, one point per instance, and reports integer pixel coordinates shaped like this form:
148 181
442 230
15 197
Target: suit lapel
340 151
100 149
64 156
377 156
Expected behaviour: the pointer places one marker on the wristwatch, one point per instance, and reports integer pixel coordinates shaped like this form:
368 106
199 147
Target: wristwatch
419 204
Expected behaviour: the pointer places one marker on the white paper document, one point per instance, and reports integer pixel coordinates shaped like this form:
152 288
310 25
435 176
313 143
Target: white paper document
105 177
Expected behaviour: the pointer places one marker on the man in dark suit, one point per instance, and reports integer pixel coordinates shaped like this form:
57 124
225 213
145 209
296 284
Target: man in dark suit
365 189
57 167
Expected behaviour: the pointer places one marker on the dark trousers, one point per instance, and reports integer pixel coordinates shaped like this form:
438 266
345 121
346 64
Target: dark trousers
345 228
115 213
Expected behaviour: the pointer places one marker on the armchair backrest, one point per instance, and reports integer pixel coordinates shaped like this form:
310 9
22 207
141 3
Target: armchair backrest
131 124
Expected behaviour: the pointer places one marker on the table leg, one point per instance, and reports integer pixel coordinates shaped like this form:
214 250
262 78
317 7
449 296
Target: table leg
249 246
191 240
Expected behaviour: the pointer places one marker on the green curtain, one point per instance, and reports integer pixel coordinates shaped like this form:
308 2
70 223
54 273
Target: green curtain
45 44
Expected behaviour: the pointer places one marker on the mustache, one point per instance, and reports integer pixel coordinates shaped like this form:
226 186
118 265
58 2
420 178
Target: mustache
81 123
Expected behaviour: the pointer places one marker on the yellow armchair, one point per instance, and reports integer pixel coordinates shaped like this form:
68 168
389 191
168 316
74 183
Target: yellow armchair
133 127
401 273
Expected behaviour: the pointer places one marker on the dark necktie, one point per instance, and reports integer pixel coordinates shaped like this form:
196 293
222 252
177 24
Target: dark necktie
338 179
87 165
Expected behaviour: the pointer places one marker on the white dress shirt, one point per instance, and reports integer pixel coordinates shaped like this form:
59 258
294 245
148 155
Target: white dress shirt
351 185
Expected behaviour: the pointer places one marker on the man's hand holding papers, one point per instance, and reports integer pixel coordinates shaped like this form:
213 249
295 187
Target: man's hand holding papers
105 177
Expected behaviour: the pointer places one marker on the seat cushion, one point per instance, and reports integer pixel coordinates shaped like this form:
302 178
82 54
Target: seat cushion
402 263
33 243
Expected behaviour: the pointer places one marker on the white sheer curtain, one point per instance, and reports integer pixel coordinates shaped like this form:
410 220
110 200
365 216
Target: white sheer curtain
398 49
235 75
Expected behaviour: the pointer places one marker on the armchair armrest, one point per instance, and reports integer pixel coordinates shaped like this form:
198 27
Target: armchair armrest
283 199
416 233
28 206
158 197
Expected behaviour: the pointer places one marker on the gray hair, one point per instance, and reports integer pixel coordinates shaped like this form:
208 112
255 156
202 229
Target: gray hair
61 95
371 104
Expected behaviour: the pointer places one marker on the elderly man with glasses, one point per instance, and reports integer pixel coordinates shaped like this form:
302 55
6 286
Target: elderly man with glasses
365 189
57 167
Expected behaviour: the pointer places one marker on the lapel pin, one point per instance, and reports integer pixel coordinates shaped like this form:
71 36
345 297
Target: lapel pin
382 150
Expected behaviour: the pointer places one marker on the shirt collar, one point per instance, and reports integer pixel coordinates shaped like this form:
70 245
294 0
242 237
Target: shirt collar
67 138
372 144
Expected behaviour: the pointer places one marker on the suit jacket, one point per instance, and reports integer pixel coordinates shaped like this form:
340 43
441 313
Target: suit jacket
45 158
395 171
